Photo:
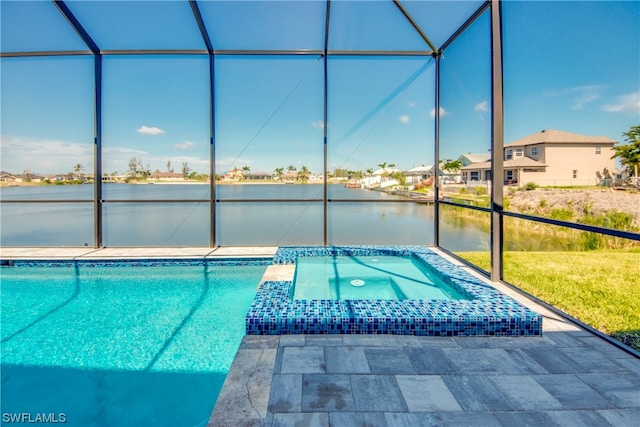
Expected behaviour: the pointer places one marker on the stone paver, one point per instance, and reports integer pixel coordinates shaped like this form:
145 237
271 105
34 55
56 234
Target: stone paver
572 392
375 393
346 360
286 393
303 360
327 393
426 393
411 381
389 361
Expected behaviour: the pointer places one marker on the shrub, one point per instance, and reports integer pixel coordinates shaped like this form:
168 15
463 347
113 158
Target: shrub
630 338
563 214
481 191
610 219
530 186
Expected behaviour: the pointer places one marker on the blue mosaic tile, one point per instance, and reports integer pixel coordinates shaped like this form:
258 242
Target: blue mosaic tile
485 312
137 262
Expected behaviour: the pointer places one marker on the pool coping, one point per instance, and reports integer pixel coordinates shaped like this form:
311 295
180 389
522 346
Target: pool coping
135 262
489 313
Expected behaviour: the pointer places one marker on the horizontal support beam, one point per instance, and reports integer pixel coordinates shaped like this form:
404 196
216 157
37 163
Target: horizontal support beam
462 205
576 225
155 52
380 53
404 200
45 53
47 201
222 52
566 224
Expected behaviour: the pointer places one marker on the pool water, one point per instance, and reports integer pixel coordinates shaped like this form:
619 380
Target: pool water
124 345
368 277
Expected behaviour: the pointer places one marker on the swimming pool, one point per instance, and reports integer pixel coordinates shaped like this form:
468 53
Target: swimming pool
368 277
483 312
121 343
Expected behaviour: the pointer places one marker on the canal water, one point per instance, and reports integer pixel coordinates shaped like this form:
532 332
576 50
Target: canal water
244 215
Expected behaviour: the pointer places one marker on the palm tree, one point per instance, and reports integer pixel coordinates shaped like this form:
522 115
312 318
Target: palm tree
245 171
383 165
451 165
279 172
185 170
77 169
303 174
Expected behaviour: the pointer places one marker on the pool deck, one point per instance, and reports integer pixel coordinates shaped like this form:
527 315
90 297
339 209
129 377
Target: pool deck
566 377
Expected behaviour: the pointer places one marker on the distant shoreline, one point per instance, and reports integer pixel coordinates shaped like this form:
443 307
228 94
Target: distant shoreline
53 184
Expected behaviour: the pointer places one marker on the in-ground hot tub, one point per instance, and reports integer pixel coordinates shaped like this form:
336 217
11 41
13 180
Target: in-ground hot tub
482 310
385 277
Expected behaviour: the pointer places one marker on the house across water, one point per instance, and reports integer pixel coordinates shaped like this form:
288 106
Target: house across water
550 157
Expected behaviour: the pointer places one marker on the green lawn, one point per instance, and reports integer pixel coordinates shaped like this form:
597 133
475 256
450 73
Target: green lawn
601 288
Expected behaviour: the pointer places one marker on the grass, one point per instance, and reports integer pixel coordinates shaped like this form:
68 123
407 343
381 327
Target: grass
600 288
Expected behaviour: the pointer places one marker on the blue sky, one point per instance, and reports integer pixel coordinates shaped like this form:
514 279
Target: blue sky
572 66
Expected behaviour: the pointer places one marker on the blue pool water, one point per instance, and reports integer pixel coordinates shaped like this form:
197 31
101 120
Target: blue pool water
122 345
368 277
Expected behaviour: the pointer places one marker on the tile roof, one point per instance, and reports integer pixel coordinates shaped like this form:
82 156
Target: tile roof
422 168
551 136
476 158
520 162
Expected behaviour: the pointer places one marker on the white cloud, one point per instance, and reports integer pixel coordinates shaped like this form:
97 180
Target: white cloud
233 161
584 99
44 155
443 112
318 124
580 95
123 150
184 145
482 106
404 119
629 103
192 161
412 104
146 130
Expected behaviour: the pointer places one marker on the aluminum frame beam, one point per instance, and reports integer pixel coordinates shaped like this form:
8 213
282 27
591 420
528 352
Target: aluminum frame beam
436 163
45 53
212 121
415 25
497 142
222 52
466 24
97 125
325 95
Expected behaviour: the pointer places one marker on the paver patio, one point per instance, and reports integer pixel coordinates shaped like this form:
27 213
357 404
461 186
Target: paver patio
563 378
